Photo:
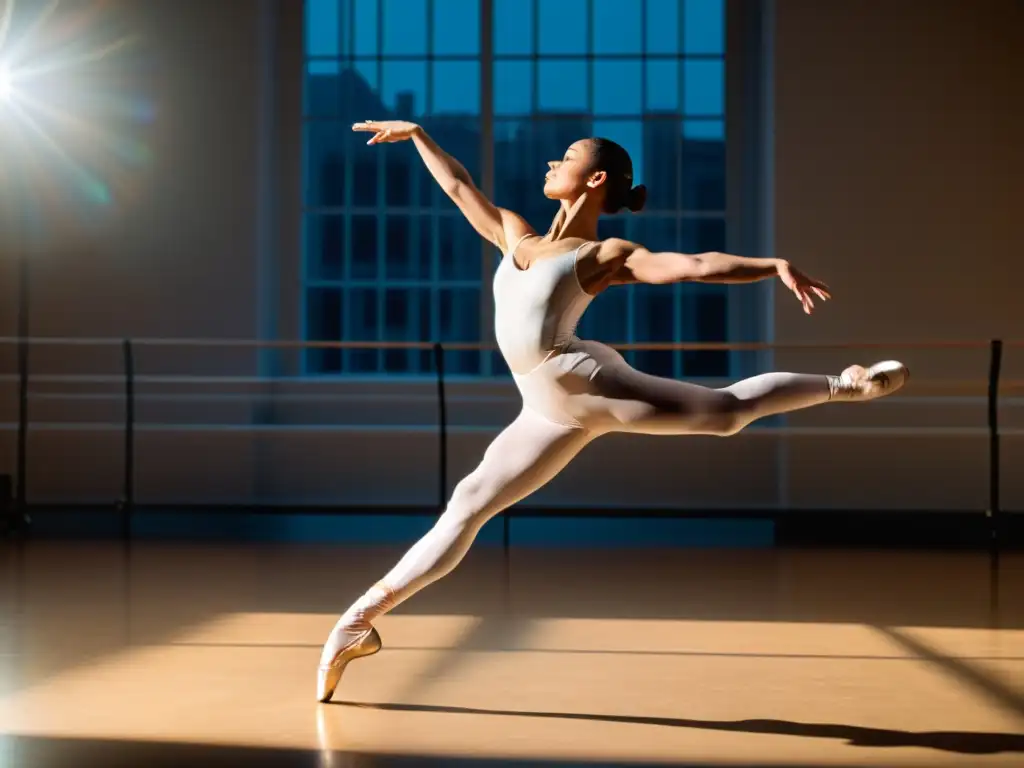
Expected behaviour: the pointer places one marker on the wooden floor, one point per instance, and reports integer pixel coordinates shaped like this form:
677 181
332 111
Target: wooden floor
205 655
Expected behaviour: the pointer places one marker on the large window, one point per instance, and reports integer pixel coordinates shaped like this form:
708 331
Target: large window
388 258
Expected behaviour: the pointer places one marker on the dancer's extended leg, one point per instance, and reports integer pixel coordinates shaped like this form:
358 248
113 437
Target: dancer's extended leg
525 456
638 402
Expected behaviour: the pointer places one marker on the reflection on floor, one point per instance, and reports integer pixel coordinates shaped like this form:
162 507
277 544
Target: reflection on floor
193 654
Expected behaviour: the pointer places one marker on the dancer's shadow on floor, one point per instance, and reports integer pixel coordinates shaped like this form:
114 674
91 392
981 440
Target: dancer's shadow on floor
964 742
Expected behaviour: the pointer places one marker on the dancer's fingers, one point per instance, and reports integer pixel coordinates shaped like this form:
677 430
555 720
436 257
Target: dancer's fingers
800 297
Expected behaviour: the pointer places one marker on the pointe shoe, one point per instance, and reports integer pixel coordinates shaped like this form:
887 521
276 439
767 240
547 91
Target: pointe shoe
860 384
329 675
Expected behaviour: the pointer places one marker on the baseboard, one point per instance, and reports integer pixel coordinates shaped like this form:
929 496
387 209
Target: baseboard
537 526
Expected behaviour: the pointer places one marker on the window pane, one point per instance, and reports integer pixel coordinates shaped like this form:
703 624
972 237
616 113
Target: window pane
362 325
399 361
605 320
326 156
703 235
325 247
706 130
365 32
460 321
457 27
365 164
499 368
324 323
703 87
364 75
424 316
617 26
513 87
563 26
398 165
662 169
324 35
618 226
663 26
712 324
630 134
654 320
362 320
403 321
460 314
399 261
563 86
423 307
363 250
407 258
513 27
405 27
335 90
618 87
704 26
425 234
657 233
459 249
398 320
323 93
323 315
405 88
456 88
703 180
518 174
662 86
323 67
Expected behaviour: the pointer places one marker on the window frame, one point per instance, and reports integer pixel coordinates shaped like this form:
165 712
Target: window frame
746 229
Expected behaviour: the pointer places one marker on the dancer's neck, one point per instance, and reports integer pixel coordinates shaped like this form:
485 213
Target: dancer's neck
574 220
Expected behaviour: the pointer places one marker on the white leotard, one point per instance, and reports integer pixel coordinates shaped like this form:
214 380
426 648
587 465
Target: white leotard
536 310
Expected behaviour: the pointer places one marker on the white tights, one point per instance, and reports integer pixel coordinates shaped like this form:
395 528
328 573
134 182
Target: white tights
591 393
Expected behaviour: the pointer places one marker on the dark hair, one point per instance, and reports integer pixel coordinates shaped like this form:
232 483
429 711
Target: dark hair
620 193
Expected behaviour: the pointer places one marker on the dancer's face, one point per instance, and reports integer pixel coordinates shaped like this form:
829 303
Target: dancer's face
573 175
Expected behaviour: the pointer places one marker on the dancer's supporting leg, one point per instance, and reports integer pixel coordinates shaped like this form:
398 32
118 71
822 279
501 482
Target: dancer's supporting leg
525 456
640 403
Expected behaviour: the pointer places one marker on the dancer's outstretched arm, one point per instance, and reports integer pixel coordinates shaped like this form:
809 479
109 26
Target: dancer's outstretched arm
628 262
497 225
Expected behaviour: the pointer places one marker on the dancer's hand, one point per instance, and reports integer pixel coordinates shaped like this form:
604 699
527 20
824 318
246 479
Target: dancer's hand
387 131
802 286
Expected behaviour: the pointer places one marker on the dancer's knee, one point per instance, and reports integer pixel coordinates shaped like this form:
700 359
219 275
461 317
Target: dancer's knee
731 414
470 502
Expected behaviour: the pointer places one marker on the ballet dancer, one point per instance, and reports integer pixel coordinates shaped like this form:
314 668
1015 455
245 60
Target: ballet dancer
573 390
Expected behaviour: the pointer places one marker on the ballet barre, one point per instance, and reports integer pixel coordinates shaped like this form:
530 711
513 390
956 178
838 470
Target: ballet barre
998 390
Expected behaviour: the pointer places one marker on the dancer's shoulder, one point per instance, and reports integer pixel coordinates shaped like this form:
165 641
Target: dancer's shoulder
613 250
514 228
600 262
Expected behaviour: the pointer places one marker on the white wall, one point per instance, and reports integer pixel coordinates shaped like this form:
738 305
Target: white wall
898 179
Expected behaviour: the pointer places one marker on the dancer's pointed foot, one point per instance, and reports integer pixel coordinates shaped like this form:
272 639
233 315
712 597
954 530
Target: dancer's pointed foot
858 383
329 674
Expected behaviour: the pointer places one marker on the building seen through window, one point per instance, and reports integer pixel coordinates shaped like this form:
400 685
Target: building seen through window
387 257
